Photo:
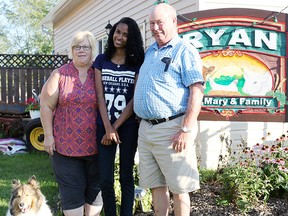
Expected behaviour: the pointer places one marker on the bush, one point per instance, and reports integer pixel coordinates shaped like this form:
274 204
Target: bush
207 176
254 174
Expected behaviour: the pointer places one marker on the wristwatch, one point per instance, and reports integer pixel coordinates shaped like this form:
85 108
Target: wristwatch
185 129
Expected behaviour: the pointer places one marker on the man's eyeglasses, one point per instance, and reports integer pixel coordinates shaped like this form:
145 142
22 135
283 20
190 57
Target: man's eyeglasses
84 48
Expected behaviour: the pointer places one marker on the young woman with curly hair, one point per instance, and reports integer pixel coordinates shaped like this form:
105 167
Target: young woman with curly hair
116 73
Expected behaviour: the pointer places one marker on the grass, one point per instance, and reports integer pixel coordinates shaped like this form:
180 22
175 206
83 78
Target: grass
22 167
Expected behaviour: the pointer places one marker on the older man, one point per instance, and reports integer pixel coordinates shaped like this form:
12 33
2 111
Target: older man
168 98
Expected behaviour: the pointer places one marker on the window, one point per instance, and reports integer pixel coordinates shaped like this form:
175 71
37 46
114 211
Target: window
101 42
143 30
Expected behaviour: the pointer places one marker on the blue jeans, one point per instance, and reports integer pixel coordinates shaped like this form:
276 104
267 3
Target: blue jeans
128 135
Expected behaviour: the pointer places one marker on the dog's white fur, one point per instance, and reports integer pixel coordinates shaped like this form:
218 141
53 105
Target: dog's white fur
27 199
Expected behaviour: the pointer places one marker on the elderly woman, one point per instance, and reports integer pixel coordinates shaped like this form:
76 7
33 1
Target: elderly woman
68 116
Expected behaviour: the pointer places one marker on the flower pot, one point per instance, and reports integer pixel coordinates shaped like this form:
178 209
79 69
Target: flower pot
34 114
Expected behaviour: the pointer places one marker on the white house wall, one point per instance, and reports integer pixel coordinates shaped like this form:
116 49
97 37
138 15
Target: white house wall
210 145
93 15
275 5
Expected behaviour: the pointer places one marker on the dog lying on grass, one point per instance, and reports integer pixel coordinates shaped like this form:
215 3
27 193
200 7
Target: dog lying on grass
27 199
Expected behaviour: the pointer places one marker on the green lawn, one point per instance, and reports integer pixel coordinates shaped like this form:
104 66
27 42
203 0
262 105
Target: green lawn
22 166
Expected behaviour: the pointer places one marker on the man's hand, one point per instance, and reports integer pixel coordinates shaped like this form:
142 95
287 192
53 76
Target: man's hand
181 140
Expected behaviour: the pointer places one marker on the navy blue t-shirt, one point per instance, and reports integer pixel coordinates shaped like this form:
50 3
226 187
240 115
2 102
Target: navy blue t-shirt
118 86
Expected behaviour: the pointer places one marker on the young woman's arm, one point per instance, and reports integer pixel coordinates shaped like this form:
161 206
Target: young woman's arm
111 133
127 112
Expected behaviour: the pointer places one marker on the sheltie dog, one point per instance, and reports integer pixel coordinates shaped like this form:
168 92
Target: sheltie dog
27 199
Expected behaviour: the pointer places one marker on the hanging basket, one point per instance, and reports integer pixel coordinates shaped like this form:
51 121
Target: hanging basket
34 114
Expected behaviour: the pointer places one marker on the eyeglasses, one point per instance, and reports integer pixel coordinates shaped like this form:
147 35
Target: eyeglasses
84 48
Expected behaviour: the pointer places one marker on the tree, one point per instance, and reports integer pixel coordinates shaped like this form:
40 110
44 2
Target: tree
4 43
20 31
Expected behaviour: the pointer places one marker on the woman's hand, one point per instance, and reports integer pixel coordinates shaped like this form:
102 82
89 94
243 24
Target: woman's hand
110 137
49 144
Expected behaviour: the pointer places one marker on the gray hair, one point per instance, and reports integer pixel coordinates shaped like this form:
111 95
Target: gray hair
78 38
171 11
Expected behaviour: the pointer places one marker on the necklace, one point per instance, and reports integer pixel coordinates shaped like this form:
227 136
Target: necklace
119 62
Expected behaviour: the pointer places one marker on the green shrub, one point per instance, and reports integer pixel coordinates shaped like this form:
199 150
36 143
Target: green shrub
254 174
207 175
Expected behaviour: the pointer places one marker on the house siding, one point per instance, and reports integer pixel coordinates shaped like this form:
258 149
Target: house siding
93 16
277 5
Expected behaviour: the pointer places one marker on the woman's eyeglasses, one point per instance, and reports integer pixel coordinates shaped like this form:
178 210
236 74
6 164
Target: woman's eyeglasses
84 48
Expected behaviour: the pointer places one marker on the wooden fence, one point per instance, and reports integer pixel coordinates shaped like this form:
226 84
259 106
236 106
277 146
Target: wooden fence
19 74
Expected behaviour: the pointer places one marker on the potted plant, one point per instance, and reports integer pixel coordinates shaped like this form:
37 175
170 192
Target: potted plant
33 107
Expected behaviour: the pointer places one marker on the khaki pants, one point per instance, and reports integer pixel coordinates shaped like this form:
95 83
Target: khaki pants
160 165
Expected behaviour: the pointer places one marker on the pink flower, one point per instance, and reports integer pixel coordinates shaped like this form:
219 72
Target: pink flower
267 160
280 161
274 150
283 168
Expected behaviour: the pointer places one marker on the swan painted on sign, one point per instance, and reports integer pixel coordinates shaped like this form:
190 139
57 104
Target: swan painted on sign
257 84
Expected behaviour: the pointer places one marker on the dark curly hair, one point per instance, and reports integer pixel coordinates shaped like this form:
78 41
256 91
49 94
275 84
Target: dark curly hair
134 47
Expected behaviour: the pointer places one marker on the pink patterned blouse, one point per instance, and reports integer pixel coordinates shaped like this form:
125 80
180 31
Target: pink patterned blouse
75 115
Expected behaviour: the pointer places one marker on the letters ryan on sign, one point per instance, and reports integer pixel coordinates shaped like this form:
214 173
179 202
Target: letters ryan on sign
243 60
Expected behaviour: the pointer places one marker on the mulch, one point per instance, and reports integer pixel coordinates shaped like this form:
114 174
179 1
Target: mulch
204 203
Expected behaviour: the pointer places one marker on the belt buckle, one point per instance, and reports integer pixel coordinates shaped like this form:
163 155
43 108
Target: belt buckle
150 121
153 121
